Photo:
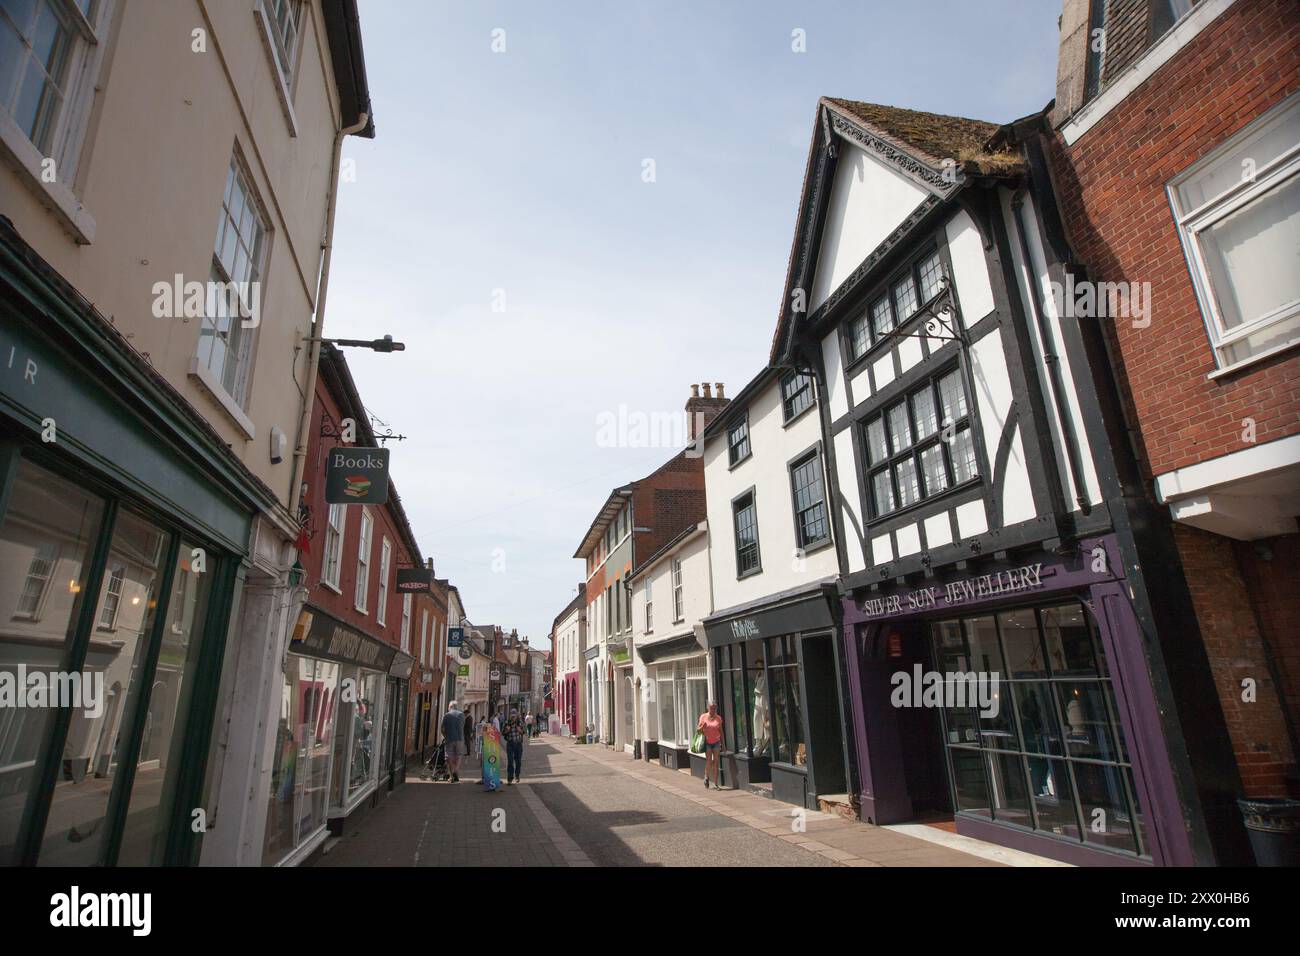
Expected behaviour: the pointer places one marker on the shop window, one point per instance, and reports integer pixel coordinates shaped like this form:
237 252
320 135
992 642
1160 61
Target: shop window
1053 758
787 711
361 765
42 509
1240 233
921 446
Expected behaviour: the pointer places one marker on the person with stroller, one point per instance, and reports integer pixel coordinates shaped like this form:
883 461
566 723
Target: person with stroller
453 738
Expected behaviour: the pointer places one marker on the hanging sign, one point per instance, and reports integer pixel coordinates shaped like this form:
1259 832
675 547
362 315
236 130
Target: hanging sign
455 635
414 580
356 476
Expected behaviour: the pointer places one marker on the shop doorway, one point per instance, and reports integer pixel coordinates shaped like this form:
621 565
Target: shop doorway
825 722
920 729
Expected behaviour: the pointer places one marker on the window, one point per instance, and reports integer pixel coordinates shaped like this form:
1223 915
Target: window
746 520
921 446
286 21
335 524
796 394
39 569
738 441
381 602
649 604
37 40
424 635
811 525
1240 234
1053 758
406 623
225 342
1164 14
679 609
364 542
112 599
787 710
898 303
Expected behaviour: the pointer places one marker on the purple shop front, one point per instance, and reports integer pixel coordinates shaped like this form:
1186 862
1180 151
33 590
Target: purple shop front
1013 697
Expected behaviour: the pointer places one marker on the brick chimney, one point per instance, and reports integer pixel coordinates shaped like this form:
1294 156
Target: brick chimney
702 409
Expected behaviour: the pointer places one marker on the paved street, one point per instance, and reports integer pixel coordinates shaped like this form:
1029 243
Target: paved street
586 805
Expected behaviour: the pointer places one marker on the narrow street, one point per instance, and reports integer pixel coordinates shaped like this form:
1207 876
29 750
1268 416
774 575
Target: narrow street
587 805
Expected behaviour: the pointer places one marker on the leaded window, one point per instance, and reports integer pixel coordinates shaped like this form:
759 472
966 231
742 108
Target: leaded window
796 394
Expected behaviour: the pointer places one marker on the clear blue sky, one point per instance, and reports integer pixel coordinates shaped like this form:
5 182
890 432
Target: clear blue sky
521 171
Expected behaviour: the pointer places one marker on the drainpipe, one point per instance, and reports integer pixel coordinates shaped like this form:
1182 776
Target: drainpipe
322 289
1051 359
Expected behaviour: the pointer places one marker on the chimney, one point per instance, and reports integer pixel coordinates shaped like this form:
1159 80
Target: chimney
718 386
700 410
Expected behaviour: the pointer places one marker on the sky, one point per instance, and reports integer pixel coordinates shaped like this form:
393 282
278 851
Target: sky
570 207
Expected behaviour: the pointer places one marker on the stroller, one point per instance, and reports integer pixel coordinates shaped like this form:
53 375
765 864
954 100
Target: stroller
436 766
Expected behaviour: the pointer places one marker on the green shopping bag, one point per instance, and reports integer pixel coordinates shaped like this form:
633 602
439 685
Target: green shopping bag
697 742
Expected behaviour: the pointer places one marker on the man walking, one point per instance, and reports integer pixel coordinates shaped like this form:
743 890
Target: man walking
513 731
528 726
453 740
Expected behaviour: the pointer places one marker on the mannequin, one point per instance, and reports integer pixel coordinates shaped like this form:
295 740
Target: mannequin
761 720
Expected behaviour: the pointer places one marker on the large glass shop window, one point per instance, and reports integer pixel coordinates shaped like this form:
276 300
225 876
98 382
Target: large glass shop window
46 540
1053 758
787 714
731 697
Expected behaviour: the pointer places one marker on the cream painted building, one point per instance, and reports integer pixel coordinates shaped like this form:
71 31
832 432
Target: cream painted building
155 153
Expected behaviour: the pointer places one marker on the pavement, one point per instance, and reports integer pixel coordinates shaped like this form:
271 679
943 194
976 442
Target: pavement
586 805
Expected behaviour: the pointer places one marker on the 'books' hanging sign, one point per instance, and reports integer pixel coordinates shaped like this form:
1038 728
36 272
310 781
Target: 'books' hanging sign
356 476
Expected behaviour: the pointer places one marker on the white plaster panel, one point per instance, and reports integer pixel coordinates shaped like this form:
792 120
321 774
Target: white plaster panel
938 530
972 519
847 469
839 401
970 269
882 551
909 540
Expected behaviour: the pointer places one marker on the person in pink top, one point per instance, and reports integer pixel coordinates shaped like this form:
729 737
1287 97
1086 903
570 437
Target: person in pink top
711 724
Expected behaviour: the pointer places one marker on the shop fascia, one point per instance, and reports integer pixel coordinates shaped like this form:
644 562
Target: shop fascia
1027 577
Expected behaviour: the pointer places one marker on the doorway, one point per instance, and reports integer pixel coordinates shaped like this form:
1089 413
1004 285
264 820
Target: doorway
825 722
920 729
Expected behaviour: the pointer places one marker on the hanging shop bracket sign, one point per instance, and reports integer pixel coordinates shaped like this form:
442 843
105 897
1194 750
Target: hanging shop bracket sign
414 580
356 476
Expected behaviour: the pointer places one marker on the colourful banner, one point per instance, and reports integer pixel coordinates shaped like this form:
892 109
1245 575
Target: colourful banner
491 758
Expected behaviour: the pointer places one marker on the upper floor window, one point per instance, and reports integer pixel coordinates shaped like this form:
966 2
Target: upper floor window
921 445
796 394
745 517
406 623
333 551
385 561
811 525
225 338
679 609
901 299
738 441
649 604
1238 212
37 40
112 599
286 22
364 542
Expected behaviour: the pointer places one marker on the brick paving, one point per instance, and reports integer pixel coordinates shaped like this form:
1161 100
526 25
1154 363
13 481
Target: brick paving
584 805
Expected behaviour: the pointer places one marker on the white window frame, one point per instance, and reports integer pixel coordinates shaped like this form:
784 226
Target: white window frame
1192 222
273 45
649 604
53 562
69 125
424 635
679 599
385 568
406 623
365 551
332 557
115 572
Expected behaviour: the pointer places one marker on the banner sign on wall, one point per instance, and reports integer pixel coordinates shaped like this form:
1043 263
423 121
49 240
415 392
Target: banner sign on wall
356 476
414 580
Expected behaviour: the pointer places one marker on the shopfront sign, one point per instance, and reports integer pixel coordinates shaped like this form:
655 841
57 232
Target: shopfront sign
356 476
807 613
414 580
1028 577
462 670
320 635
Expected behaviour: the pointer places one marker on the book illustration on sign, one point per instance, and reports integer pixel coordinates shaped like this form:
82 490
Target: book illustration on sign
356 486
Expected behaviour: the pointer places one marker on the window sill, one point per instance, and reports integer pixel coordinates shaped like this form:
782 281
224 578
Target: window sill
282 90
821 544
790 421
919 505
333 587
1244 364
736 464
18 152
217 391
749 574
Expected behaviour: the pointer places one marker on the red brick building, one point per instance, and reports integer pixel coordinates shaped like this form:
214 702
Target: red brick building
350 659
1175 156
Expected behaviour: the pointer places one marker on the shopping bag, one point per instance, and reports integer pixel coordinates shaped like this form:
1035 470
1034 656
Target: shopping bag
697 742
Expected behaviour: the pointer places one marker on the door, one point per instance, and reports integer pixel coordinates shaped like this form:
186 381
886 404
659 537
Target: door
825 726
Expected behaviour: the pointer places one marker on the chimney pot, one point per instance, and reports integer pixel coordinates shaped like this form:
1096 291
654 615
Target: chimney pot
718 386
695 391
707 391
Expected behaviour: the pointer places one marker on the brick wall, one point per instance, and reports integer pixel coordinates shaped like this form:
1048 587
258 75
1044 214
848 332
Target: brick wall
1111 186
1111 190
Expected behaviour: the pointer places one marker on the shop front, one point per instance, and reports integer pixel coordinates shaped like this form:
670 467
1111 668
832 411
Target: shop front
123 524
676 693
1014 700
392 768
777 680
332 735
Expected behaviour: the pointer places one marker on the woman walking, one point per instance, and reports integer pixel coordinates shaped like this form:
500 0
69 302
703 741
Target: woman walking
711 724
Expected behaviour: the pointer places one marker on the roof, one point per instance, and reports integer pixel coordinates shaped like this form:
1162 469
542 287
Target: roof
579 600
690 531
740 404
935 136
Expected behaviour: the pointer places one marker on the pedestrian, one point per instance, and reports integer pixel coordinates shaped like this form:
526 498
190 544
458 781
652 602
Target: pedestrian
513 731
469 733
711 724
528 726
453 739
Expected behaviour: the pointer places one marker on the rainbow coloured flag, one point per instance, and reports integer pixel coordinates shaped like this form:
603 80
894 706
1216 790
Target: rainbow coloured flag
491 758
